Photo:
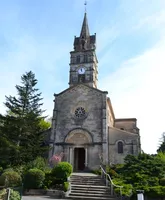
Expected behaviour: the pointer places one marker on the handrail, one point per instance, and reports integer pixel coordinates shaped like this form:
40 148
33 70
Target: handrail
111 181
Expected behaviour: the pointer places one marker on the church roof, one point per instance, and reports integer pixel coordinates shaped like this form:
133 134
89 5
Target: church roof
85 29
78 85
116 134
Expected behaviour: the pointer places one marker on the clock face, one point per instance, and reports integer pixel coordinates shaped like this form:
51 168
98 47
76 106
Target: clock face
81 70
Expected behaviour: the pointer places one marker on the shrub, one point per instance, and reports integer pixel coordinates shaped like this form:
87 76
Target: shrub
48 179
19 169
162 181
34 179
1 170
39 163
13 179
61 172
97 171
66 186
2 180
126 190
156 191
3 194
14 195
111 172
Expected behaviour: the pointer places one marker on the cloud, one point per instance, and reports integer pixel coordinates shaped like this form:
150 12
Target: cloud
137 90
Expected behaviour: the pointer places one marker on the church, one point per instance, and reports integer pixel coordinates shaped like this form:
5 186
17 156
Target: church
84 128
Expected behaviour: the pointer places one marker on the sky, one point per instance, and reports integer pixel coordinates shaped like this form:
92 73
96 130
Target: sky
38 35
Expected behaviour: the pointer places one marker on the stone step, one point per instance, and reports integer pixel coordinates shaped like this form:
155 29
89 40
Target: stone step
97 180
88 183
86 177
87 180
90 198
89 194
91 186
75 197
74 191
90 189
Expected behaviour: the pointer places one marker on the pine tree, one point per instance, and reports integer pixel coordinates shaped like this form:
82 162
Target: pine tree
21 125
162 145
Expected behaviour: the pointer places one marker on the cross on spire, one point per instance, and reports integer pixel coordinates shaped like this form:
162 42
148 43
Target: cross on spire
85 4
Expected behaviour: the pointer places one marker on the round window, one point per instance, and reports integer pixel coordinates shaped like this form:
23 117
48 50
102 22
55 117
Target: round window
80 112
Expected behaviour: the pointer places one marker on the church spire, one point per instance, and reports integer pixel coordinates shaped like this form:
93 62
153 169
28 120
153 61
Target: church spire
85 29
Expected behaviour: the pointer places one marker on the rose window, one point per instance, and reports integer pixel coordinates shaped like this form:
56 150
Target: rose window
80 112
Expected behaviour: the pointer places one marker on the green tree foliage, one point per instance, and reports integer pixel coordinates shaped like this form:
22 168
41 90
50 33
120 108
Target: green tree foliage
144 172
39 163
21 129
162 145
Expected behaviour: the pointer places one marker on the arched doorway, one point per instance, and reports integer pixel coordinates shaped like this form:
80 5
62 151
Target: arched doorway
78 142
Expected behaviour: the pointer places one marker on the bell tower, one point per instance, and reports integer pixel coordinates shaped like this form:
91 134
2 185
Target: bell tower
83 59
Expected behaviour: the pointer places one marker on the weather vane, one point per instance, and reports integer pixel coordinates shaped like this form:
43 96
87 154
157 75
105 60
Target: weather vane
85 4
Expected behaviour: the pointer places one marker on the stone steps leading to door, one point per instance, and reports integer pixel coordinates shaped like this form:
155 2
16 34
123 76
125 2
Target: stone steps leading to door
88 186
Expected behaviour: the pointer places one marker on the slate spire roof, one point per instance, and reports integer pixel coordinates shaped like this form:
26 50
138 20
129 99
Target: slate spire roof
85 29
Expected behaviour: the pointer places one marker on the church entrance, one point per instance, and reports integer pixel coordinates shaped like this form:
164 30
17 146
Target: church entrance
79 159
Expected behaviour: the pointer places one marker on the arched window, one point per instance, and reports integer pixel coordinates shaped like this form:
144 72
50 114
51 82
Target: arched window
120 147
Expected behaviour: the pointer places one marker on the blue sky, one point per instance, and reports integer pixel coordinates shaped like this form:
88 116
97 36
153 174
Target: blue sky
38 35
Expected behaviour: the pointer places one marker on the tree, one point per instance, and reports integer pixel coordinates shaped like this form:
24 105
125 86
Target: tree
162 145
143 172
22 126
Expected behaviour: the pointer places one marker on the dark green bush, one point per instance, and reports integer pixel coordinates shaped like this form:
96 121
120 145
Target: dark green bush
2 180
156 191
1 170
66 186
34 179
61 172
162 181
13 179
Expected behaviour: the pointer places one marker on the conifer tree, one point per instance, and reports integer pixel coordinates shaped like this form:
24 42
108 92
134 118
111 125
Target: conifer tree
21 124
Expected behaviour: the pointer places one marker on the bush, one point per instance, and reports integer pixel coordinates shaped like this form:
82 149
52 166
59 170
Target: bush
61 172
39 163
34 179
1 170
2 180
14 195
156 191
126 190
66 186
162 181
97 171
111 172
48 179
3 194
12 179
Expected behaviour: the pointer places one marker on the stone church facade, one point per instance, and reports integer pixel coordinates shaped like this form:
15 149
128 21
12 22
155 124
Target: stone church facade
84 127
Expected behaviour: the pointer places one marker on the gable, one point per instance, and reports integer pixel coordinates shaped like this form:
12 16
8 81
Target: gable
82 88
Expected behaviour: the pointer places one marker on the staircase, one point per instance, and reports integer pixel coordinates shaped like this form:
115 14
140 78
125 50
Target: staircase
88 186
